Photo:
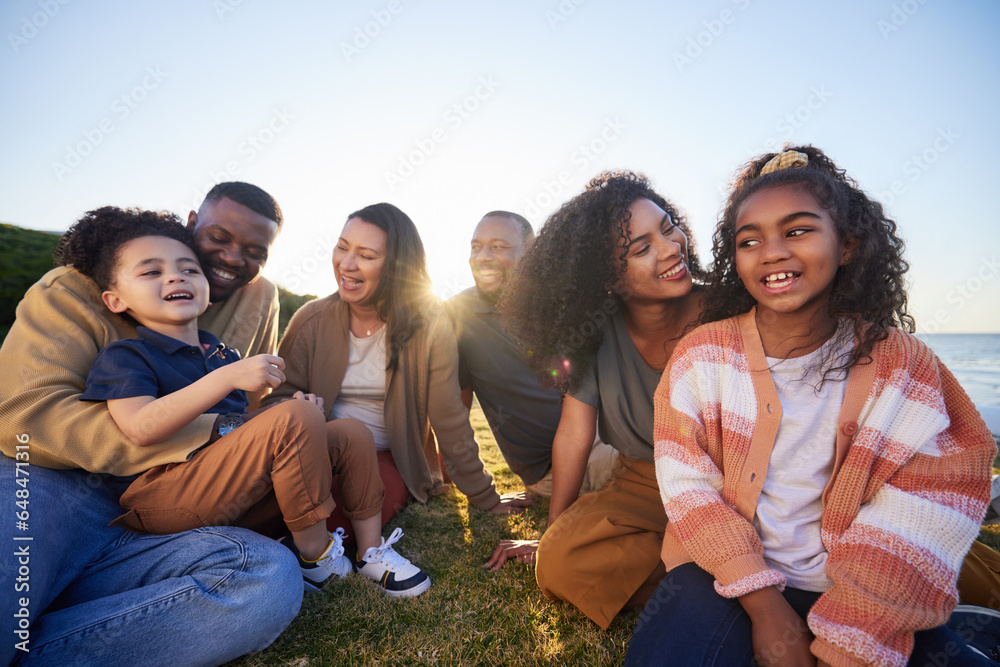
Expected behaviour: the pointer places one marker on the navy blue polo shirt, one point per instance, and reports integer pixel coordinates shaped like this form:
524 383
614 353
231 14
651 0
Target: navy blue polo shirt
156 365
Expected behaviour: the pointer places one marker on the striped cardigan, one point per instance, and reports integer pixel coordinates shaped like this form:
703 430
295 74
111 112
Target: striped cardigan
909 487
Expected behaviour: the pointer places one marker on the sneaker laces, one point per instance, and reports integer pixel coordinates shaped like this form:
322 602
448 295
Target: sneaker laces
336 548
385 553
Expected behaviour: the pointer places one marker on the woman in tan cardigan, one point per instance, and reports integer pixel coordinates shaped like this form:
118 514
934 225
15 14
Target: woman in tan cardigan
381 349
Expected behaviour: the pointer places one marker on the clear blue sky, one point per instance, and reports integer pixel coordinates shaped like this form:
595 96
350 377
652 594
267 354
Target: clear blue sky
452 109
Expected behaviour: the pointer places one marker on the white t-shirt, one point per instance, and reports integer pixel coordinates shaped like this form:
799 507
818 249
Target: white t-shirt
362 394
801 464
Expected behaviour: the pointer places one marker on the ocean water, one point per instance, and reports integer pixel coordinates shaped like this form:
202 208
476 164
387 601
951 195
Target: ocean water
975 360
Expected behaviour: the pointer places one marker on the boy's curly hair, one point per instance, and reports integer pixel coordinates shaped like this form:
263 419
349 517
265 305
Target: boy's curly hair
563 288
91 245
869 290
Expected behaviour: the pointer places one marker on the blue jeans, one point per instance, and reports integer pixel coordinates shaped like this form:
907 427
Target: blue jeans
686 623
91 594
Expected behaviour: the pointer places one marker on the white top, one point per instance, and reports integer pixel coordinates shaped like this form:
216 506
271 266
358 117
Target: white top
362 394
801 464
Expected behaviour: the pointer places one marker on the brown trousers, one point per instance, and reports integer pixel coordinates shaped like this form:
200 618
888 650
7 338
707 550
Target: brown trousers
280 464
396 497
979 580
606 546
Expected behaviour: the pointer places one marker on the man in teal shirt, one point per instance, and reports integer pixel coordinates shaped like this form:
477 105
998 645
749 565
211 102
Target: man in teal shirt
522 415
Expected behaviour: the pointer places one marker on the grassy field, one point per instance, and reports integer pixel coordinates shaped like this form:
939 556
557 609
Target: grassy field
469 616
25 255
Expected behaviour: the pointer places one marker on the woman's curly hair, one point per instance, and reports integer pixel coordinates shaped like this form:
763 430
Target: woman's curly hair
563 290
869 290
91 245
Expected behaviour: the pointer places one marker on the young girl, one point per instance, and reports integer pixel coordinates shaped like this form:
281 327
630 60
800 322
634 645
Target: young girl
269 464
817 463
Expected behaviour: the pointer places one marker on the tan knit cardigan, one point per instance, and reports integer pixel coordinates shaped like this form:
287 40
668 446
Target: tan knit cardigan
422 392
61 326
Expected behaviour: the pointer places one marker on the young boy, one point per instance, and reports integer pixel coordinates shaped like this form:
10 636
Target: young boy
258 466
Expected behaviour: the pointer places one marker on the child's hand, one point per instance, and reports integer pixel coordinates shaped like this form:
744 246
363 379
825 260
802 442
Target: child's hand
780 637
312 398
255 373
782 640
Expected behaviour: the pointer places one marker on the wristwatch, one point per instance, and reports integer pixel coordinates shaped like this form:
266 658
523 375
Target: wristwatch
230 423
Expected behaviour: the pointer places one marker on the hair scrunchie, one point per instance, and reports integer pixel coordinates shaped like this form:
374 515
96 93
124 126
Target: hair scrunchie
785 160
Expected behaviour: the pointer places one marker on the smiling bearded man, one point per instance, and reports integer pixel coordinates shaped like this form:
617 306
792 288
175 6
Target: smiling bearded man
102 592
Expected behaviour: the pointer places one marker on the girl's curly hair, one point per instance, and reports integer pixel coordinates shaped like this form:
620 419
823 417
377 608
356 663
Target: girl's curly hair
91 245
869 290
563 290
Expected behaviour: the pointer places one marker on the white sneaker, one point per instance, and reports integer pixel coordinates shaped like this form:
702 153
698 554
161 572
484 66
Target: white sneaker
333 562
398 576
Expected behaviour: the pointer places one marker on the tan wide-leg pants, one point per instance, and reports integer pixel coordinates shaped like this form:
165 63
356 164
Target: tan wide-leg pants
606 546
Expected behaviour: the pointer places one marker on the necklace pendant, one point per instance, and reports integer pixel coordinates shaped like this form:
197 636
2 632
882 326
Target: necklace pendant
368 332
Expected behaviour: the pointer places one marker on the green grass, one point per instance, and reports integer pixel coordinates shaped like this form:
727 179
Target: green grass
990 536
288 303
25 255
468 617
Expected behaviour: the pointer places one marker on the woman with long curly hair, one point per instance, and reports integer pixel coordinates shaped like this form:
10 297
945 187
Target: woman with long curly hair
599 301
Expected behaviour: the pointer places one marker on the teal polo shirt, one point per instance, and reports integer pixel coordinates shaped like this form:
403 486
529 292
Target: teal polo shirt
522 415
